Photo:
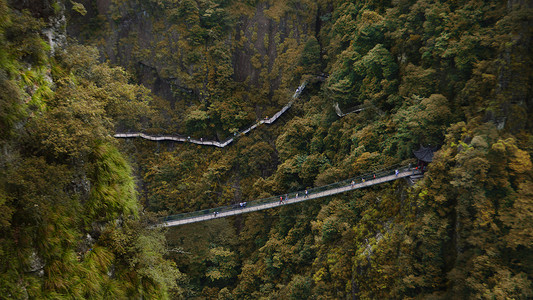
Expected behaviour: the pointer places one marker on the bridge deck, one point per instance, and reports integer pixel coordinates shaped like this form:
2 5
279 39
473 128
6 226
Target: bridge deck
209 214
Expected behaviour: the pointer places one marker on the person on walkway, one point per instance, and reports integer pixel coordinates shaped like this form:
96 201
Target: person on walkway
353 183
374 176
306 194
296 195
244 204
363 179
280 199
396 172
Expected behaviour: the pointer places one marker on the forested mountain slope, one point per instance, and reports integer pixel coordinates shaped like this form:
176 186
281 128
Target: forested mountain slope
71 225
452 74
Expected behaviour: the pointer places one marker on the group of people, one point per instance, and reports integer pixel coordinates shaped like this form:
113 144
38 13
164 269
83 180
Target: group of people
241 205
306 194
396 172
281 198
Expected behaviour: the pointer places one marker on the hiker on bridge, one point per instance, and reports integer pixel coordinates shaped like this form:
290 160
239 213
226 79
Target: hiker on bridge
193 217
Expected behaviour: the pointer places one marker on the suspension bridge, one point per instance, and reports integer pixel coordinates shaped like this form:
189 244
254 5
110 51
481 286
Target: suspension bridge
347 185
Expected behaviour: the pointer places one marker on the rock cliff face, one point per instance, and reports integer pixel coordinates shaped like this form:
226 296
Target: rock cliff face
425 72
188 50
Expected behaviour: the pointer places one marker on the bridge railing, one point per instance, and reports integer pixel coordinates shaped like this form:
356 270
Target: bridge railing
367 177
380 173
222 144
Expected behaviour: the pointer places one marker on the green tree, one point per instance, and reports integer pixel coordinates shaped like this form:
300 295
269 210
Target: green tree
310 58
378 72
11 107
223 265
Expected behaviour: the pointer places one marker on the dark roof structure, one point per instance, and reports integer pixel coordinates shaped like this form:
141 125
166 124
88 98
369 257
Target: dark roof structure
425 154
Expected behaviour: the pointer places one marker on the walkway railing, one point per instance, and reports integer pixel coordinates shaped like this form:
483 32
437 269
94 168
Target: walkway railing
358 182
222 144
355 109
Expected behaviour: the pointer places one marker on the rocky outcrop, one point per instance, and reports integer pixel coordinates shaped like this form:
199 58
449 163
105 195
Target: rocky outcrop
179 54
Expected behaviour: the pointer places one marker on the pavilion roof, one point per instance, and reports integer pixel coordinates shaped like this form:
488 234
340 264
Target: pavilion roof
425 154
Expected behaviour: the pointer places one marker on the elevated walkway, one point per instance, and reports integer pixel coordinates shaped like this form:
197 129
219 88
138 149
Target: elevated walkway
291 198
178 138
355 109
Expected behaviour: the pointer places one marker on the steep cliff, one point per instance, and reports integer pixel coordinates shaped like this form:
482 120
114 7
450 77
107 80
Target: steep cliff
71 224
451 74
200 54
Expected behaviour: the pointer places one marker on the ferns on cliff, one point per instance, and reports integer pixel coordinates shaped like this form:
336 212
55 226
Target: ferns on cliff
62 181
427 71
113 191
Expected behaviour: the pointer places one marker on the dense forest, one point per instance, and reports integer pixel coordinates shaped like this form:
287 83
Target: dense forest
77 205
